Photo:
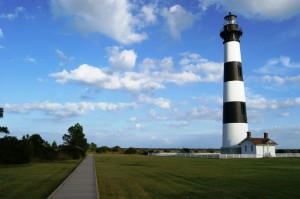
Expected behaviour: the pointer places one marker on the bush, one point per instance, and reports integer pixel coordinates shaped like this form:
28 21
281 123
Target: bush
116 149
185 150
71 151
14 151
130 150
103 149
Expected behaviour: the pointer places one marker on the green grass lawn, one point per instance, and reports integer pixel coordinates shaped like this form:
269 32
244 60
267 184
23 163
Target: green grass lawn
136 176
36 180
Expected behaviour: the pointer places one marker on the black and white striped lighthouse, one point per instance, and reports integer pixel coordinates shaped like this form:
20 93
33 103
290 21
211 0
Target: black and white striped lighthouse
235 123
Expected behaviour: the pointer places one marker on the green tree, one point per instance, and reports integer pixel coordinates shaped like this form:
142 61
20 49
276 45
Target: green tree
54 145
2 128
116 149
76 141
14 151
103 149
38 144
92 146
131 150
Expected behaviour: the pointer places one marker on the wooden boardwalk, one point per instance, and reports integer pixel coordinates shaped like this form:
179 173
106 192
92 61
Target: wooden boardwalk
82 183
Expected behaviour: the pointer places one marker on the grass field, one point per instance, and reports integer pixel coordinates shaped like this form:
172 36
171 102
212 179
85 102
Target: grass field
132 176
36 180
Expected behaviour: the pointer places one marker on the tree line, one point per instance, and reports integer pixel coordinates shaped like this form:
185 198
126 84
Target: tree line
35 148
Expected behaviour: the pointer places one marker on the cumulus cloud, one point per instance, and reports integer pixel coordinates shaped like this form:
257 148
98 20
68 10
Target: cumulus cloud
281 79
148 13
109 17
165 64
268 104
210 71
69 109
278 70
131 81
155 74
146 16
278 65
161 102
177 20
268 9
124 59
14 15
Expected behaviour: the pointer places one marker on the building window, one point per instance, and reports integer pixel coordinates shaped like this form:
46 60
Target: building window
251 148
245 147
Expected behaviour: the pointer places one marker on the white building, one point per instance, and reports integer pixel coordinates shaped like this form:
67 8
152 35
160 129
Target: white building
262 147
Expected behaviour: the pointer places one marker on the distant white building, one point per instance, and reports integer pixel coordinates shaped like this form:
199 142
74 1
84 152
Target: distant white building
262 147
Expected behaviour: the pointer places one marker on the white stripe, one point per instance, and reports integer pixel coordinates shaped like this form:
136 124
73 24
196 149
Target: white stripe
234 91
232 51
233 134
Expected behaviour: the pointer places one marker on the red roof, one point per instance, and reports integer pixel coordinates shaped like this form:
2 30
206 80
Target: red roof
260 141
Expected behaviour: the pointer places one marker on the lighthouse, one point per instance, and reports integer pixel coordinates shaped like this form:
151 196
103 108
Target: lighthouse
235 123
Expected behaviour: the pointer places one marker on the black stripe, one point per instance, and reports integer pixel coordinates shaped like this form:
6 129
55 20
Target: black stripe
231 32
233 71
234 112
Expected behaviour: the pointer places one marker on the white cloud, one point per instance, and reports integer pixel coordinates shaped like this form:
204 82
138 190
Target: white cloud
154 115
14 15
278 65
30 59
124 59
165 64
177 20
268 9
155 74
63 58
161 102
268 104
281 79
131 81
148 14
109 17
69 109
210 71
1 33
132 119
201 113
138 126
284 114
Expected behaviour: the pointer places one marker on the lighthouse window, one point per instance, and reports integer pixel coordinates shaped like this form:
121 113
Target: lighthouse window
243 108
240 71
251 148
245 147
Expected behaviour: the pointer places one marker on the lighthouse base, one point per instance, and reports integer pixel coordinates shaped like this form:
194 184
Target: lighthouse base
231 150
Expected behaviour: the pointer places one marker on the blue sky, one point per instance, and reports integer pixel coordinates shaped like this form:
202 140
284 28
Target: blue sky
146 73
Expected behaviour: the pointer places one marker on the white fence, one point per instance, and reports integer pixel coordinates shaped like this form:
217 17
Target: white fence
187 155
288 155
222 156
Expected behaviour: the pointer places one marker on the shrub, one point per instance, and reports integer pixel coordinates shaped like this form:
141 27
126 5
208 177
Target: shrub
130 150
185 150
116 149
103 149
71 151
14 151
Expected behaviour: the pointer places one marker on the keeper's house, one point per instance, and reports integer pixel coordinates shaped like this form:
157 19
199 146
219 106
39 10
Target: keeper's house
262 147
